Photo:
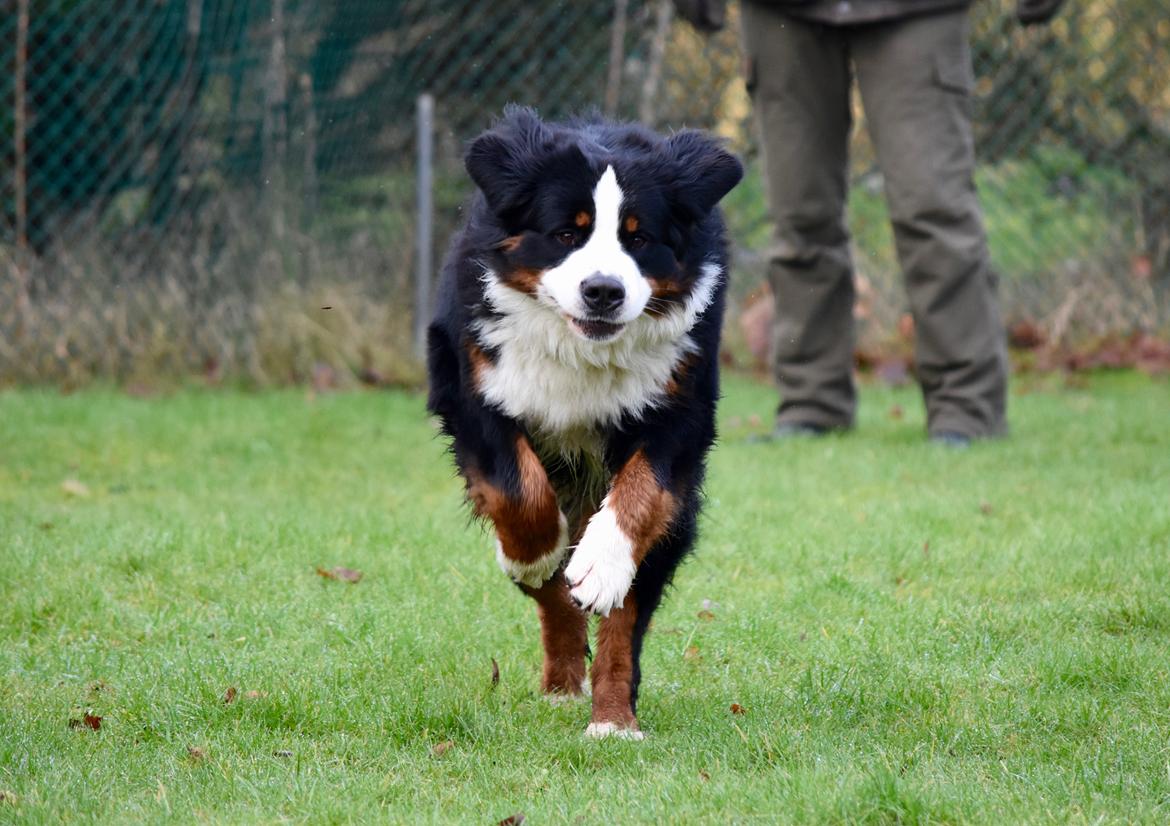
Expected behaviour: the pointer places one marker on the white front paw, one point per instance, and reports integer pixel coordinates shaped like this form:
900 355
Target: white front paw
602 568
536 573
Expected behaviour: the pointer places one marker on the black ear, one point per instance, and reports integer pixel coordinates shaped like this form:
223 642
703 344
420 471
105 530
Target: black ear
503 160
705 171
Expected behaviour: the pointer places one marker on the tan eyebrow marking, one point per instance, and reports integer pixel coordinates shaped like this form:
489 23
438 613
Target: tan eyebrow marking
631 224
582 219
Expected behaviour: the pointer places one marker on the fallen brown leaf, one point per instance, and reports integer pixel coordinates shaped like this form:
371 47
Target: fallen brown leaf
705 615
736 708
495 673
343 574
229 696
282 753
692 653
439 749
196 753
87 721
704 775
512 820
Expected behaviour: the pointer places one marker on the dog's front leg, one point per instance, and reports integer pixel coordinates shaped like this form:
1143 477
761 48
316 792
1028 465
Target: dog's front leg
633 516
532 534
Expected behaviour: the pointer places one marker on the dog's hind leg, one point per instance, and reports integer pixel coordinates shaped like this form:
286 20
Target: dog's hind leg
563 633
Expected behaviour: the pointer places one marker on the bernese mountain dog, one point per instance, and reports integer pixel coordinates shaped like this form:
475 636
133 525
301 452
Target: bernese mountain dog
573 363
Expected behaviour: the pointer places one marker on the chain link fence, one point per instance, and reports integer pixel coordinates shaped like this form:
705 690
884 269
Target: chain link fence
230 186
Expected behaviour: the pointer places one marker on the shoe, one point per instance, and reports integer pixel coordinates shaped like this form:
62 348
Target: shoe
790 430
952 439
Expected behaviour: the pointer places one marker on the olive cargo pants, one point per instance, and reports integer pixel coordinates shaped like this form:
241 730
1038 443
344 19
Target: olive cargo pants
915 80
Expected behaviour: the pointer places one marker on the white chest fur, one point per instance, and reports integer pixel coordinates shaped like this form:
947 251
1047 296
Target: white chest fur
555 381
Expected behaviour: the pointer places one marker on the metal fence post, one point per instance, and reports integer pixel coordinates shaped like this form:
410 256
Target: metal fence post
424 225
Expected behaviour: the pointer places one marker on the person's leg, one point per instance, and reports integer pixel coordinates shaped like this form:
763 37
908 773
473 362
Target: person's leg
798 76
915 78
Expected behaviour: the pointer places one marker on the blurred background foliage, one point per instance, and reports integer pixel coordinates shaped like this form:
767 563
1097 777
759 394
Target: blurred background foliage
228 186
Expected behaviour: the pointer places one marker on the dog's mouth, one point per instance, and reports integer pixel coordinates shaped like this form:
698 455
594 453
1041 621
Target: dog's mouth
594 329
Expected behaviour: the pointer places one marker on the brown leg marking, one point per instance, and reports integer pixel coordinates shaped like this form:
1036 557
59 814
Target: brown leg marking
613 668
563 633
643 509
528 524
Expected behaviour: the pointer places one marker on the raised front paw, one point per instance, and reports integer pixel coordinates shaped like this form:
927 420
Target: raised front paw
535 573
601 570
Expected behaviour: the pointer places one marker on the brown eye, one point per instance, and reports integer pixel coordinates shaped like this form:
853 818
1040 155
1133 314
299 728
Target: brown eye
636 242
567 237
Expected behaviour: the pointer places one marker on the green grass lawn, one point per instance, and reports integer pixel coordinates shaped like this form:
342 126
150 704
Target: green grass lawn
913 634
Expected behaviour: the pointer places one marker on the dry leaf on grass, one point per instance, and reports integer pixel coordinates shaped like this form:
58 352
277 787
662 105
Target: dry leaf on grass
87 721
736 708
705 615
255 695
229 696
439 749
495 673
343 574
196 753
512 820
282 753
692 653
704 775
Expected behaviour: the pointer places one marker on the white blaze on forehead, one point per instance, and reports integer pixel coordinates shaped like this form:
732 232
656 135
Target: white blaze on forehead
607 205
603 253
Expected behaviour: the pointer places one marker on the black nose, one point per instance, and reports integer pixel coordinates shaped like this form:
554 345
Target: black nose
602 294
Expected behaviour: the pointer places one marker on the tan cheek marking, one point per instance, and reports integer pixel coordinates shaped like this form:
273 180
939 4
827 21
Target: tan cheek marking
582 220
524 279
642 508
631 224
528 524
664 292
